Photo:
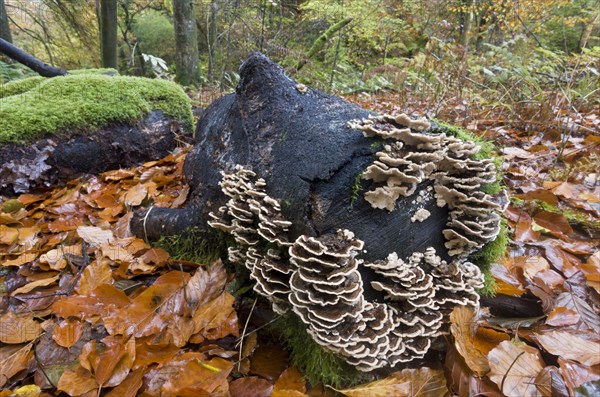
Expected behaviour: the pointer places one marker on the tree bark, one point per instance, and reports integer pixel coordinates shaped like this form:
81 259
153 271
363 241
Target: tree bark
212 40
4 28
587 33
30 61
108 33
186 43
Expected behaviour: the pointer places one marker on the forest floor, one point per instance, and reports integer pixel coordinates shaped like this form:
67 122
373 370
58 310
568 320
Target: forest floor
92 310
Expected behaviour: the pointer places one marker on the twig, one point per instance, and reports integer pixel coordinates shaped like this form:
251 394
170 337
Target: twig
508 370
241 342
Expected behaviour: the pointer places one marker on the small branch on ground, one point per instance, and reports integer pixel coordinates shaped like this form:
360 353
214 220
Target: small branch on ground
43 69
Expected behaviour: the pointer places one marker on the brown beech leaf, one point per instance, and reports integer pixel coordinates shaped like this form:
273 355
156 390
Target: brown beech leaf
576 374
199 378
16 329
95 236
20 260
515 368
76 382
217 318
506 282
130 386
13 359
8 235
551 383
135 195
561 316
67 333
589 319
251 386
422 382
557 224
463 382
463 329
35 284
206 284
150 353
94 275
571 347
269 361
290 384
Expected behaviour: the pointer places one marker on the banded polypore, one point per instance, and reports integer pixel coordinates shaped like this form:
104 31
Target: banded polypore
415 156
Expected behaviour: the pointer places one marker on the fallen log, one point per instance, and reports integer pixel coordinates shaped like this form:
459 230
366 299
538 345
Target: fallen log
359 224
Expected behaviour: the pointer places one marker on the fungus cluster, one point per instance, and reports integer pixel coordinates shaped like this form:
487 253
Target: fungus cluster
414 156
322 279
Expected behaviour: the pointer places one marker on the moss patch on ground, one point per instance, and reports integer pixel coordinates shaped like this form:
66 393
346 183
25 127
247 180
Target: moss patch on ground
195 245
33 107
316 364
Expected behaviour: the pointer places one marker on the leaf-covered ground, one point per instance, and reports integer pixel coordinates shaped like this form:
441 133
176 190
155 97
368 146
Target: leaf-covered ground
88 309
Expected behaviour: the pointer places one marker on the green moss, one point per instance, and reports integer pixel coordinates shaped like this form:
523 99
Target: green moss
316 364
356 188
33 107
195 245
489 254
107 71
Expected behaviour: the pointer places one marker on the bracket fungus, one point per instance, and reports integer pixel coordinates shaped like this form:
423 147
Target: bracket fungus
359 225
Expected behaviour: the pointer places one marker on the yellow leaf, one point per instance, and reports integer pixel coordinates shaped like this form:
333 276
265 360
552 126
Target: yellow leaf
27 391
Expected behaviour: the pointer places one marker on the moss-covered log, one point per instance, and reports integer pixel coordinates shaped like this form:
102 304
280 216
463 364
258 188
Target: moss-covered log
85 122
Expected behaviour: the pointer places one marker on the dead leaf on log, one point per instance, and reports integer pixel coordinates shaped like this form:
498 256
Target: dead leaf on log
514 368
422 382
571 346
13 359
16 329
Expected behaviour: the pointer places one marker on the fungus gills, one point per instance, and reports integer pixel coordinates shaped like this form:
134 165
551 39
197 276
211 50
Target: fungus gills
414 156
319 279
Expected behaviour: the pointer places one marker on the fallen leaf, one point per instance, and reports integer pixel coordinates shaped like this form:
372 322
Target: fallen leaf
94 275
16 329
8 235
576 374
76 382
561 316
198 378
94 235
463 382
589 319
27 391
130 386
217 318
571 347
463 327
269 361
557 224
67 332
422 382
551 383
13 359
21 260
35 284
290 384
514 369
251 386
206 284
135 195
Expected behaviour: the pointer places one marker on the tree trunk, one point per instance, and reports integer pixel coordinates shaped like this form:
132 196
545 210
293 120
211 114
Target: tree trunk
108 33
186 42
30 61
467 25
589 28
212 40
321 40
4 28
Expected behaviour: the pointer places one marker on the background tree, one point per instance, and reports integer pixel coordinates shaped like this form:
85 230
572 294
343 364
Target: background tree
4 28
108 33
186 42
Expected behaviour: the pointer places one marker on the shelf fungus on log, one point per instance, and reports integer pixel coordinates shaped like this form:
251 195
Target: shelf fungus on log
361 225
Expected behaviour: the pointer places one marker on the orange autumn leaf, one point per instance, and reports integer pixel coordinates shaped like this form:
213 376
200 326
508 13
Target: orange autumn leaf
35 284
13 359
217 317
16 329
514 368
198 378
76 382
250 386
8 235
561 316
130 385
20 260
135 195
94 275
269 361
67 333
290 383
